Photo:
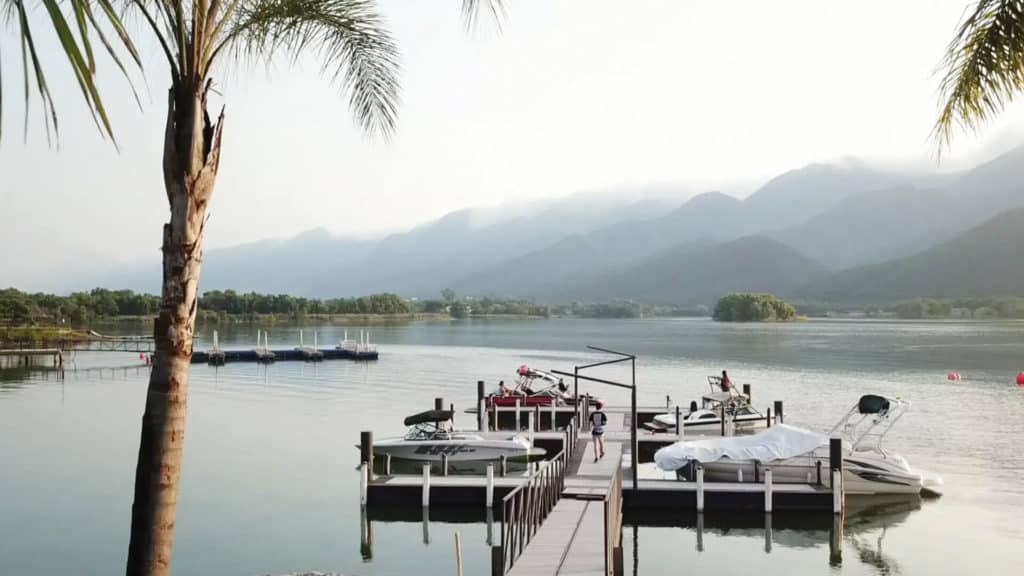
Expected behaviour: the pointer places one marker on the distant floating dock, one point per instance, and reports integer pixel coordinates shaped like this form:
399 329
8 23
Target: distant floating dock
262 353
284 355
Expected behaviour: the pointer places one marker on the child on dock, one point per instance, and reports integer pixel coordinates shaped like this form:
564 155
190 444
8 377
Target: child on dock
598 420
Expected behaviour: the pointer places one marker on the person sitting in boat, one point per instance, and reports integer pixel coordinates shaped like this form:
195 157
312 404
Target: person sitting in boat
726 384
503 390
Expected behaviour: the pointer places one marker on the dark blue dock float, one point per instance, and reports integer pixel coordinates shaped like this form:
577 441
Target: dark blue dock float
285 355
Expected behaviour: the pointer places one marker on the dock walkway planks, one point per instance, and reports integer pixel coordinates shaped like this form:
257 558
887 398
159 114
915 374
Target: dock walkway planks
571 540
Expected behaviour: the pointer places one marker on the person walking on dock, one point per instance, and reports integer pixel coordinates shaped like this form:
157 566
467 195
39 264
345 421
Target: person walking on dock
598 421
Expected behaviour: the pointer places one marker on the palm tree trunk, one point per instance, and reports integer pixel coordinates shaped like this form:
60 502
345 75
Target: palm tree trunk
191 159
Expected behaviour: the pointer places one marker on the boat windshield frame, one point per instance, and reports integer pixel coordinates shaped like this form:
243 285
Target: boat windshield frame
866 431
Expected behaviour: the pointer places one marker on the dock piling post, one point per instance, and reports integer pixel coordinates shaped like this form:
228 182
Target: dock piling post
778 413
497 561
519 426
364 483
482 414
426 485
835 452
835 541
700 488
768 490
438 403
746 391
530 421
700 531
302 343
366 449
679 423
554 417
503 462
387 464
768 418
315 343
444 464
490 486
668 402
721 416
494 417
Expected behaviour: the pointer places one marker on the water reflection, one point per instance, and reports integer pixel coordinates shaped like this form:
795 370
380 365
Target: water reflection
862 528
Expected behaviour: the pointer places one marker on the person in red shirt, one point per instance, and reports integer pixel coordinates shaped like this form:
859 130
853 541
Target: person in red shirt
726 383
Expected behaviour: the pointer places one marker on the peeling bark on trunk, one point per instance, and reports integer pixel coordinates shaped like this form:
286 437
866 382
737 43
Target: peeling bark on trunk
191 159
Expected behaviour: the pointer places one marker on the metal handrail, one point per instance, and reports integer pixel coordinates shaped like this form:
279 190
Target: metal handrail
612 520
526 507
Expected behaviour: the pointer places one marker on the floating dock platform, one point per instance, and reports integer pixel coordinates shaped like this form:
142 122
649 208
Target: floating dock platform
285 355
565 515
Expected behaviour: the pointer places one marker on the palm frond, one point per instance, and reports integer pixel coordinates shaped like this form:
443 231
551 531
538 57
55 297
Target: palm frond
76 45
471 10
984 67
348 35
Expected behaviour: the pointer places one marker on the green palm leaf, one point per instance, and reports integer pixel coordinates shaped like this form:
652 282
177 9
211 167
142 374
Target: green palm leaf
984 67
348 35
76 47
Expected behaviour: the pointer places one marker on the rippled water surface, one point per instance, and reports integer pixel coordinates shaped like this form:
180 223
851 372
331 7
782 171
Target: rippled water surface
270 486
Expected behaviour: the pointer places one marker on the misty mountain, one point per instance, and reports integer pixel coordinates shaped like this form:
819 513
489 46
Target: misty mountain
833 216
694 275
797 195
982 262
878 225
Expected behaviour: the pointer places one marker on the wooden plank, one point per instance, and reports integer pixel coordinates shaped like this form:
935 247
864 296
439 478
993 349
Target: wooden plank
551 543
586 552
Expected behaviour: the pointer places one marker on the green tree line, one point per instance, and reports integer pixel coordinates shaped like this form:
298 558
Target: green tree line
81 308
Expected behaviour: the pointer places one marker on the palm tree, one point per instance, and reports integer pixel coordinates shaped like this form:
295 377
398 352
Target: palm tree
90 17
195 36
984 67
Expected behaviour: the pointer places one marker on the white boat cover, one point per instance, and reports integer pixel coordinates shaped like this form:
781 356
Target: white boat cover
776 443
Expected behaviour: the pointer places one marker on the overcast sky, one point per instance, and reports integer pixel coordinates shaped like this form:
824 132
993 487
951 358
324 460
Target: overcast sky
572 96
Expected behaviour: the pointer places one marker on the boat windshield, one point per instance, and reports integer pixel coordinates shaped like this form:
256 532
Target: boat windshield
427 431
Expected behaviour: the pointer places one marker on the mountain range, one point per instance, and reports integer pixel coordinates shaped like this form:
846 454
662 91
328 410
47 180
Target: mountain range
841 233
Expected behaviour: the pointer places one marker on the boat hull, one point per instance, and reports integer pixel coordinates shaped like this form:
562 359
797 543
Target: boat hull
712 425
456 450
862 475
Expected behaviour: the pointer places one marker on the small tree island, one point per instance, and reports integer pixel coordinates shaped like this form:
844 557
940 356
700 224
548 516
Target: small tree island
753 308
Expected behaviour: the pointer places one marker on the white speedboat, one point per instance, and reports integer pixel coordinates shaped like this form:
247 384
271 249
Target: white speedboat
430 436
707 418
796 455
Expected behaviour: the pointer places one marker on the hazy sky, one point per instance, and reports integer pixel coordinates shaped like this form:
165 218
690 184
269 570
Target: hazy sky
571 96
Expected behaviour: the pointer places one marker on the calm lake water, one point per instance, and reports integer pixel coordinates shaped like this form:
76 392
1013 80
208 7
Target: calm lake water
270 485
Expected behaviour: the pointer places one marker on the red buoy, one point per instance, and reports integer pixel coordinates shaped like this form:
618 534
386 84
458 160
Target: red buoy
1020 379
953 376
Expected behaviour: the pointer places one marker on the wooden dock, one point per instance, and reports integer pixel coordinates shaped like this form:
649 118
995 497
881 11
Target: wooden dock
565 516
